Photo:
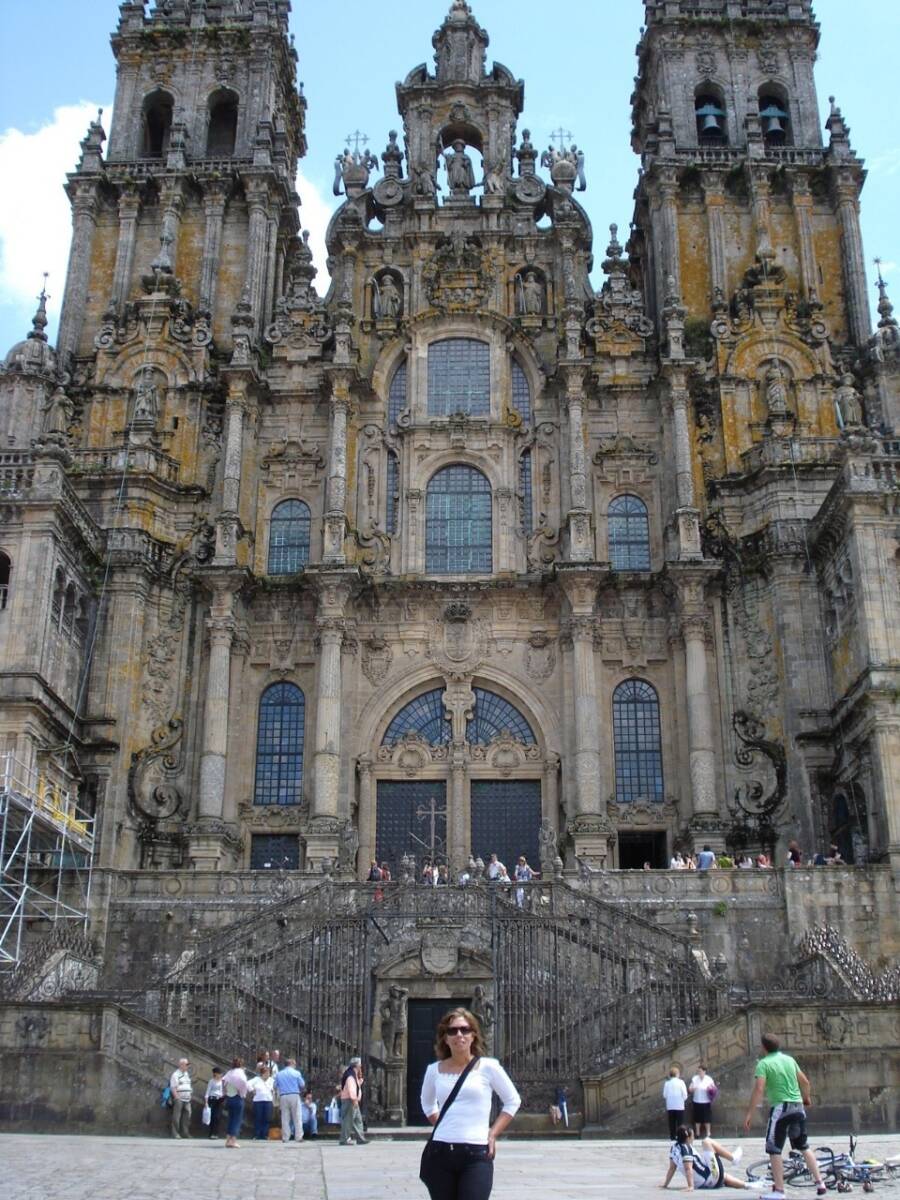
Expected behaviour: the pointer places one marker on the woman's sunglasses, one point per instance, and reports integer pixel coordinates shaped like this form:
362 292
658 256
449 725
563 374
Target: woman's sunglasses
459 1030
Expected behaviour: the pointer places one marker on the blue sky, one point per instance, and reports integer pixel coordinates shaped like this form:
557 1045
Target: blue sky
576 57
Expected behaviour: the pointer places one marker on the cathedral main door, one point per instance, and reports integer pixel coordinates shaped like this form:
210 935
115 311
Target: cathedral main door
506 817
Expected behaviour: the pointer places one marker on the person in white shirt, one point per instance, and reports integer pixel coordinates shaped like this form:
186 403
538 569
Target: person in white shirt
703 1165
182 1090
676 862
261 1088
215 1098
465 1139
675 1096
702 1088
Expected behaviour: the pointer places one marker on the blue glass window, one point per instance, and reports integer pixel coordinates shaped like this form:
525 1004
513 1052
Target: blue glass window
425 716
392 516
279 745
458 525
521 393
637 742
525 493
397 394
289 538
459 377
629 534
492 716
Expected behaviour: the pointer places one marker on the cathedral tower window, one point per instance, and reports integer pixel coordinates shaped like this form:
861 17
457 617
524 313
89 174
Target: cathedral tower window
458 523
459 377
521 393
5 573
221 133
279 745
397 400
773 112
709 111
638 747
629 534
289 538
157 124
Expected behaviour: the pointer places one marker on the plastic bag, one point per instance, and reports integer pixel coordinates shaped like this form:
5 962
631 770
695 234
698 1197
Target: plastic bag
206 1115
333 1113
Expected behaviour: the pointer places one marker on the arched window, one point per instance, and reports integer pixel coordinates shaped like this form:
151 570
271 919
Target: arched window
157 124
279 745
492 716
774 115
709 111
458 528
5 572
459 377
68 616
629 534
289 538
397 395
221 132
521 393
56 603
425 716
392 516
637 742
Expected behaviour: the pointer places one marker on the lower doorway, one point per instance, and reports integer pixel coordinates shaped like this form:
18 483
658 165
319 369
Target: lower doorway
422 1022
635 849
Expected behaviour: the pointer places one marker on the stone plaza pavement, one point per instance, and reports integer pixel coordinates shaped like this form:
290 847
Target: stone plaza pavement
34 1167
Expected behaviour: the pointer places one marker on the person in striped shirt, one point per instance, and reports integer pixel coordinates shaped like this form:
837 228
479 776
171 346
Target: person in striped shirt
702 1165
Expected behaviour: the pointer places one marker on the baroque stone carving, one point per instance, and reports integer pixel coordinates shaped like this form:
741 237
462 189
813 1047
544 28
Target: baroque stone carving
151 789
377 657
540 656
456 277
458 644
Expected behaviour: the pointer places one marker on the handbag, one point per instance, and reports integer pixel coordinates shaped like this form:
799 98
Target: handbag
429 1152
206 1115
712 1091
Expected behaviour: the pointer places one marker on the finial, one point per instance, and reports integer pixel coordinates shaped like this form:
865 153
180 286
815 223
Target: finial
39 321
885 308
614 249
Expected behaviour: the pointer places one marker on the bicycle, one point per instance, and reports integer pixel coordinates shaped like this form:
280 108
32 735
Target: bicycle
839 1171
796 1172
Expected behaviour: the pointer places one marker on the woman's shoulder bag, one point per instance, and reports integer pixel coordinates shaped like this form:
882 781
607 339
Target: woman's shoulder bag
429 1157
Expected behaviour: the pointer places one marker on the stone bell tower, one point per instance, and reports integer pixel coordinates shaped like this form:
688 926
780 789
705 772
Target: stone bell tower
198 176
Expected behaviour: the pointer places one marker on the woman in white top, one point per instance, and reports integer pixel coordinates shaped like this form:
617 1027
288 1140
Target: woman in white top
703 1090
675 1095
262 1088
465 1140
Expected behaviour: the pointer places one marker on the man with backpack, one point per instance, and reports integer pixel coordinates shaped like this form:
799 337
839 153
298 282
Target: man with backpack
182 1090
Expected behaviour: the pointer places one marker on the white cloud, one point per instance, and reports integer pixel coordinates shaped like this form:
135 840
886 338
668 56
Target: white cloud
315 213
35 218
887 163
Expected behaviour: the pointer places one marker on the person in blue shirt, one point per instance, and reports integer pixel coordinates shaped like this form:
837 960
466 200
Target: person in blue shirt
289 1084
706 859
309 1111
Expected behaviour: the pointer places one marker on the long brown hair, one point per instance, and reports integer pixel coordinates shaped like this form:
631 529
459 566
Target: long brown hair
442 1050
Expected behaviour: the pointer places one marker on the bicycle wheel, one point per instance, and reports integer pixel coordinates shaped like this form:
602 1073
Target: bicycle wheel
798 1175
759 1170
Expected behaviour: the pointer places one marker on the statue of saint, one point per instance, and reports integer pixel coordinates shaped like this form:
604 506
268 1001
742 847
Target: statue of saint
460 174
57 414
483 1009
393 1021
530 295
776 391
425 184
146 399
848 403
388 300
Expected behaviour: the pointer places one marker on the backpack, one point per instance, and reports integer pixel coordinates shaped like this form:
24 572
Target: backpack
165 1100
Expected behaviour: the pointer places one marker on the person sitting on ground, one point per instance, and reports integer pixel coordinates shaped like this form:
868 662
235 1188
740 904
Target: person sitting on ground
702 1166
309 1115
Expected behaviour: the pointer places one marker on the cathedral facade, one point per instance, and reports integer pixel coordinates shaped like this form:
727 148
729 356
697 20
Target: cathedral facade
468 556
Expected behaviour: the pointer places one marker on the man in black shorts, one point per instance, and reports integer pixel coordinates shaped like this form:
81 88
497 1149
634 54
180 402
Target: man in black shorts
787 1090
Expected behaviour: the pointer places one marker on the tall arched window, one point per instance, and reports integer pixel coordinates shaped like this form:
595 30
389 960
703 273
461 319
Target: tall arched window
221 132
157 124
458 527
774 115
709 111
521 393
279 745
492 716
397 395
459 377
289 538
425 716
637 741
5 572
629 534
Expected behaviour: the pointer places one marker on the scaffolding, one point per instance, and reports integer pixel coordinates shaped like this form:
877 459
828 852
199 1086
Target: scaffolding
46 857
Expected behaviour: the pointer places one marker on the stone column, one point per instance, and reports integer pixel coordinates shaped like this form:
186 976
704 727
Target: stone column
884 744
803 205
668 255
715 221
580 542
220 629
129 208
83 195
335 509
322 839
684 475
550 791
695 630
229 520
759 199
459 810
859 319
257 192
214 202
365 813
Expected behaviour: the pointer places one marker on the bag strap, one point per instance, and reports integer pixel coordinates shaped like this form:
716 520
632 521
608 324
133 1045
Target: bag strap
452 1097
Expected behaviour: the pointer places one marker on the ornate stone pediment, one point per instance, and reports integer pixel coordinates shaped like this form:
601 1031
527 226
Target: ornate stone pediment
411 754
504 754
642 812
457 276
458 643
272 818
294 458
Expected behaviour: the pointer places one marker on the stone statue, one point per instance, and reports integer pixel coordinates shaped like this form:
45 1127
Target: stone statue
393 1021
776 391
848 403
425 183
529 295
460 174
495 179
547 840
146 399
388 299
57 414
348 846
483 1009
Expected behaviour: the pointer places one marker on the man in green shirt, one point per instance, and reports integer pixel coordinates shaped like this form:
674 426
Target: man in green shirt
787 1091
